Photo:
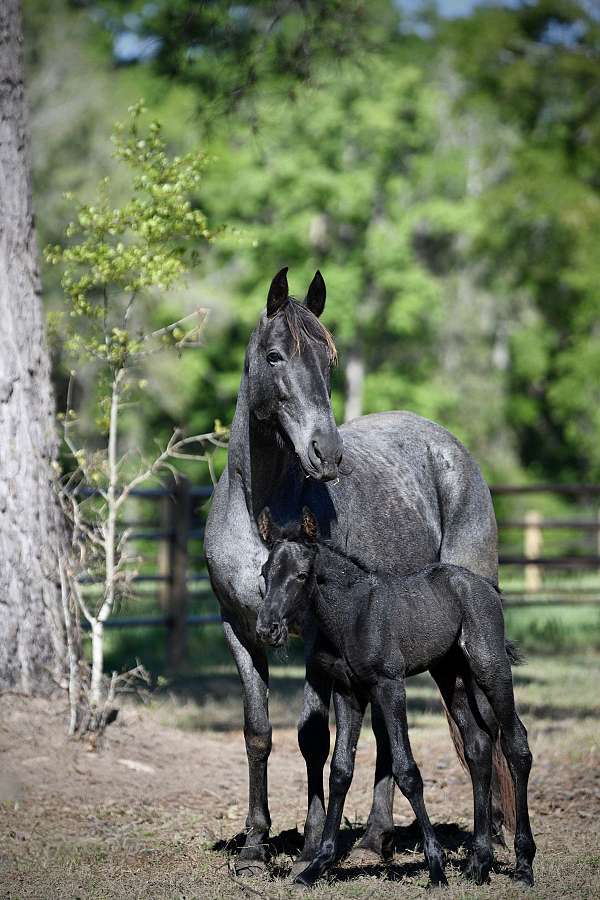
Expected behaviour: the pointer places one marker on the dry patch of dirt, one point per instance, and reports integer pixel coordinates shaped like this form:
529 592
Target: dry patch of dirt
141 817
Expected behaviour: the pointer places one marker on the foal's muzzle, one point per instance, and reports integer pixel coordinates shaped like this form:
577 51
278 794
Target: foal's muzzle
274 634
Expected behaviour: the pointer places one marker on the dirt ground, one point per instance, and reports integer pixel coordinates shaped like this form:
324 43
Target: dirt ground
153 812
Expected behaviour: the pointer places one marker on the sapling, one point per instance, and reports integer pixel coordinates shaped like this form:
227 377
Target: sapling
117 262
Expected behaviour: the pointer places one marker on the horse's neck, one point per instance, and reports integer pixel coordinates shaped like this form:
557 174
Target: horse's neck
257 463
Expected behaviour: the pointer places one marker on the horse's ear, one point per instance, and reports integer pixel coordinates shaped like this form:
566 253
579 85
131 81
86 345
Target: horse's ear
278 292
315 298
310 527
265 525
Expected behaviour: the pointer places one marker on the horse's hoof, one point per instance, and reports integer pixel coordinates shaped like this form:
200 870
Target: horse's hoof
523 878
362 857
477 872
249 868
437 877
297 867
305 878
379 844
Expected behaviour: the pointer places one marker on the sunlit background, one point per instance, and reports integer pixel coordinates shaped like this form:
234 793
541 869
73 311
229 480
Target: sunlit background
440 164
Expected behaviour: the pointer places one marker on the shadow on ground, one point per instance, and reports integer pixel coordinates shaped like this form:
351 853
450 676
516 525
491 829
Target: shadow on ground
407 839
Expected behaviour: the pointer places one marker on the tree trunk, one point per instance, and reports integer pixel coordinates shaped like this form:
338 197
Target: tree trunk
32 642
355 379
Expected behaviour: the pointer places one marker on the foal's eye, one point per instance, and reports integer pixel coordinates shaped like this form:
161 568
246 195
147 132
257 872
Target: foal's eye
273 356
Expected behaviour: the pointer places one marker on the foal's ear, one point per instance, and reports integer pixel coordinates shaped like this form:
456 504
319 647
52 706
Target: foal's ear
265 525
315 298
310 527
278 292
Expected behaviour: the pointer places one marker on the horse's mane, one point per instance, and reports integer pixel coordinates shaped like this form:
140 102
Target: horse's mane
305 328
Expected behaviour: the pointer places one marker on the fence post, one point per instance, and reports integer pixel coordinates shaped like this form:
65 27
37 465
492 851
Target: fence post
533 540
176 510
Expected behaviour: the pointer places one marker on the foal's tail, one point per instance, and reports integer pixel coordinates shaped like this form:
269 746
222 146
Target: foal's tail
503 793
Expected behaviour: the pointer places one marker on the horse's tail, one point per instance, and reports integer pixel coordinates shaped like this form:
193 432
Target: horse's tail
503 793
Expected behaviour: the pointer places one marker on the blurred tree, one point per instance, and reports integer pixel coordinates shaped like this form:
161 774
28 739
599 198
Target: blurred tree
32 644
539 67
446 182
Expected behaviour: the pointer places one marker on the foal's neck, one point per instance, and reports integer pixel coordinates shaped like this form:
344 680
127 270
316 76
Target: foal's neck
342 588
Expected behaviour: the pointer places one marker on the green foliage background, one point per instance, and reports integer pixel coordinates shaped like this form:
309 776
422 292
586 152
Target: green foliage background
444 175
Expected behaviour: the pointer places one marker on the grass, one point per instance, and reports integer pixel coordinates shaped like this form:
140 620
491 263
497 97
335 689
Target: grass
121 834
560 628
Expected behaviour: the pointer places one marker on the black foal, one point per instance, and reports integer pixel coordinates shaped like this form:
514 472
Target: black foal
374 633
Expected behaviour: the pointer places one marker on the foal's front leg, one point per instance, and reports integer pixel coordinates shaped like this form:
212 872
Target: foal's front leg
391 696
253 668
313 739
349 714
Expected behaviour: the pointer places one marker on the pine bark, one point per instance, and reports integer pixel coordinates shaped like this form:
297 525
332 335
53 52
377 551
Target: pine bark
32 643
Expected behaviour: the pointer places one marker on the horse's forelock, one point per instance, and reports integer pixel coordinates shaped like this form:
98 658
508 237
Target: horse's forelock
305 328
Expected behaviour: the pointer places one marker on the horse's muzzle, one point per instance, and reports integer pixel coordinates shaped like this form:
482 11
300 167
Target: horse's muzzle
325 452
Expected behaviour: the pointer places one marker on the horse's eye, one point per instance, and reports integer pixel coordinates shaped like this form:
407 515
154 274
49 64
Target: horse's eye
301 576
273 356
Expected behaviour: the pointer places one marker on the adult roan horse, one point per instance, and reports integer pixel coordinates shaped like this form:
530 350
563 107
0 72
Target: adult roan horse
393 490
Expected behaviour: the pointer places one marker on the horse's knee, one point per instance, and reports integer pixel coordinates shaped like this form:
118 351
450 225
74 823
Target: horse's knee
258 743
478 749
340 777
516 748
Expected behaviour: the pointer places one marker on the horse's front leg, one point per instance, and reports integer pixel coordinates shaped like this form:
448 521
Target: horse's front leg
313 739
253 667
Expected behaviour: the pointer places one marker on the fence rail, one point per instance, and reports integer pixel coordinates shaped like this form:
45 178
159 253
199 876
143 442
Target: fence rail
180 575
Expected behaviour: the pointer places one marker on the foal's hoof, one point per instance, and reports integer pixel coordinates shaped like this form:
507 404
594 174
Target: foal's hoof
498 839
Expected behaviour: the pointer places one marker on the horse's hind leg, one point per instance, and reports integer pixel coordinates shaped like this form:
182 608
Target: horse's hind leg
379 835
477 738
391 697
491 670
253 669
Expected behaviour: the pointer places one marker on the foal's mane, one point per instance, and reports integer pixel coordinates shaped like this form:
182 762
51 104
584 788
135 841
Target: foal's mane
305 328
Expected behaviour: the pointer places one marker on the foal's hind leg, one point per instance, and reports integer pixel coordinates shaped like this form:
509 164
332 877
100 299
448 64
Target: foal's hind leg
391 697
491 670
478 737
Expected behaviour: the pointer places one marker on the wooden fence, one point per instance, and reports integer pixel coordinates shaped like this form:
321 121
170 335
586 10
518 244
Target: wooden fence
178 529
